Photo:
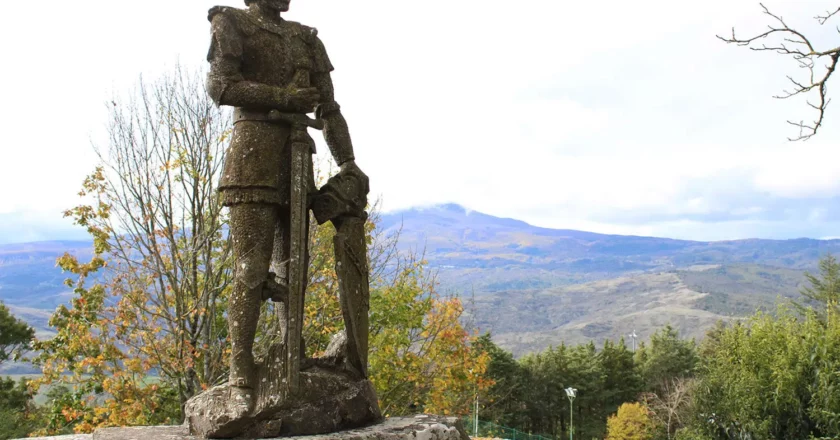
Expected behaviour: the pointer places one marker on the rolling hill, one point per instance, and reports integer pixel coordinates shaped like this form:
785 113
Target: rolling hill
532 286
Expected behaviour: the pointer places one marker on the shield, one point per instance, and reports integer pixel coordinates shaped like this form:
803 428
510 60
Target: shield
353 286
342 201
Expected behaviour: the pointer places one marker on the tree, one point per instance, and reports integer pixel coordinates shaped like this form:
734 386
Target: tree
15 398
161 261
14 334
622 381
421 357
671 407
631 422
587 374
824 291
825 385
502 401
667 357
547 374
820 63
772 377
17 409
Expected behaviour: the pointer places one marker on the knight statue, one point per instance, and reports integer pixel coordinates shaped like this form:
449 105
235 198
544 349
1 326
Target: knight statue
276 74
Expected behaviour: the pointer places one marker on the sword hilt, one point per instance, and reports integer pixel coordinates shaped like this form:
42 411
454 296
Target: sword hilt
296 119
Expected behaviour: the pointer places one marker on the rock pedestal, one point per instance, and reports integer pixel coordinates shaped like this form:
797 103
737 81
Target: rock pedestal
330 400
422 427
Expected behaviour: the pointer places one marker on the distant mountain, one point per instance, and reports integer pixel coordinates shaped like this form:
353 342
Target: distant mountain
29 276
479 252
533 286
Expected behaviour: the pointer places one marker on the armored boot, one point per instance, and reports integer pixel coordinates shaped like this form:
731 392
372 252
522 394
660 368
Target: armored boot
244 315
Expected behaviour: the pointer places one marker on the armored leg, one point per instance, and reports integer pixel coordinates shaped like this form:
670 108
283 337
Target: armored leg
252 231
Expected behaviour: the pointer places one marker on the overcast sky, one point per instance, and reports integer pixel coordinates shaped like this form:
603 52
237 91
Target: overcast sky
612 116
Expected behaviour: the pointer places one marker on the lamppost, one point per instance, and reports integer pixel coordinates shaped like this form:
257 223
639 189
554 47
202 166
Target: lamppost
572 393
475 427
476 410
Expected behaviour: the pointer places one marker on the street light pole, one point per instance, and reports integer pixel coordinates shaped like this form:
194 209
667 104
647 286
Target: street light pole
476 411
571 393
475 428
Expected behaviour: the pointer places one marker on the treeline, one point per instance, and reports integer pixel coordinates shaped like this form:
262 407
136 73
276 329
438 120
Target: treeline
528 393
772 376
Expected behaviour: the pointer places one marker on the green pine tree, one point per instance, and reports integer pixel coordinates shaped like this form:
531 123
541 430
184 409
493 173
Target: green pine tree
824 290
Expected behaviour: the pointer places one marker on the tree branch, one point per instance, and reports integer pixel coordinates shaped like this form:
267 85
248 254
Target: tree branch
795 44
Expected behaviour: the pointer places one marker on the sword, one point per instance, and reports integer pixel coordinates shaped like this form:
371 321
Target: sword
299 214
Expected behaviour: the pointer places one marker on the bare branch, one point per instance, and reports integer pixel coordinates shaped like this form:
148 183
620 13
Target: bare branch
828 14
796 45
170 252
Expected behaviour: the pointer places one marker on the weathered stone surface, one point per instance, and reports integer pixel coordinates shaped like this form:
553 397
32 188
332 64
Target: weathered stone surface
332 401
64 437
275 72
144 433
422 427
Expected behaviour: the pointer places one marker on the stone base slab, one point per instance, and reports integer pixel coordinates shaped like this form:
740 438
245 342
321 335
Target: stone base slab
63 437
422 427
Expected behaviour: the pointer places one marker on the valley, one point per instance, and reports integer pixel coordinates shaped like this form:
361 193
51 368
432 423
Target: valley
531 287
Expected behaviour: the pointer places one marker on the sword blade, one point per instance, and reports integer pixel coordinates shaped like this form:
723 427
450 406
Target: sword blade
297 264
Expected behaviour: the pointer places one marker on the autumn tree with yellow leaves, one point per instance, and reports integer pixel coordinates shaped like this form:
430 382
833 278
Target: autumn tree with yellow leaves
631 422
146 328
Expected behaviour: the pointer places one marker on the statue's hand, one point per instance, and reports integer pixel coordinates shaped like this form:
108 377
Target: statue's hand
300 100
350 167
344 195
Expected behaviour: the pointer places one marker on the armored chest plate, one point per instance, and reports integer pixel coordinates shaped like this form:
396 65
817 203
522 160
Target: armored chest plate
272 57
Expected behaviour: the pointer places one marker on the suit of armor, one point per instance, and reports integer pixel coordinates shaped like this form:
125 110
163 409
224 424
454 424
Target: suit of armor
254 62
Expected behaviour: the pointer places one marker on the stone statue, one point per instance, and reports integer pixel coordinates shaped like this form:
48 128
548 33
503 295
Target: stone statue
274 73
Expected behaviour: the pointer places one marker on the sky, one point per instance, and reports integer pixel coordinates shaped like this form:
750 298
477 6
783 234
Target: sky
609 116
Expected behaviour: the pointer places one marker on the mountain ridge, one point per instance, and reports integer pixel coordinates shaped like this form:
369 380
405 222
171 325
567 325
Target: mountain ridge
389 219
458 242
522 274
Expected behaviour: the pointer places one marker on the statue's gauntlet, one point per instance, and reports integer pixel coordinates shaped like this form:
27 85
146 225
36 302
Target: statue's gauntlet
336 132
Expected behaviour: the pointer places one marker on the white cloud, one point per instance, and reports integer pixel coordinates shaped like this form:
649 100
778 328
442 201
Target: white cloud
565 114
809 170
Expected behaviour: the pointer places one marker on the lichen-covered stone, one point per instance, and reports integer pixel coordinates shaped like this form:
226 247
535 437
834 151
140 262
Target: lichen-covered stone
274 73
333 400
144 433
421 427
63 437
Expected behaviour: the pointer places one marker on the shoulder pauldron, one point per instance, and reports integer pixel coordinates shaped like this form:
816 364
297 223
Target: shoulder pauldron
243 22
